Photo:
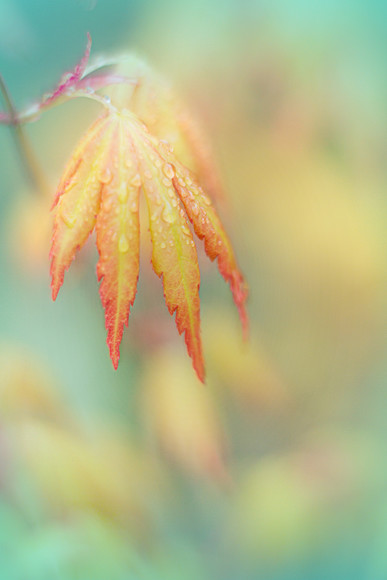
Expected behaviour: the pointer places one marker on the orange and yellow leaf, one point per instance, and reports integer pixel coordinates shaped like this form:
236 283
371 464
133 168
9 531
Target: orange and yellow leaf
208 226
77 200
118 238
100 188
174 254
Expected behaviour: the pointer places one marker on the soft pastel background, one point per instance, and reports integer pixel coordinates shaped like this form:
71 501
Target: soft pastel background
276 469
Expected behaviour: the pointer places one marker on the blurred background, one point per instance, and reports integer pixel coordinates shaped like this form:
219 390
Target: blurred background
276 468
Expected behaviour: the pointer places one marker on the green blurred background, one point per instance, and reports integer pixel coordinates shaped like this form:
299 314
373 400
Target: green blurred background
276 469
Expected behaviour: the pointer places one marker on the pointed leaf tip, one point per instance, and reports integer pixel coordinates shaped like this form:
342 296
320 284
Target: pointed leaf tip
209 228
174 256
118 237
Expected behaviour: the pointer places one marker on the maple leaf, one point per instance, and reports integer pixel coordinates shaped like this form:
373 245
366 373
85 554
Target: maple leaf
100 189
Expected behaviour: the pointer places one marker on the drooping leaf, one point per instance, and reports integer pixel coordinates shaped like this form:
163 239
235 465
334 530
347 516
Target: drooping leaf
118 238
78 199
174 258
101 185
174 254
208 226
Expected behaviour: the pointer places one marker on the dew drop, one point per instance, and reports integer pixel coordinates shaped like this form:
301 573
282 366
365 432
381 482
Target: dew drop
188 180
105 176
206 199
165 145
158 163
181 181
134 206
123 193
185 230
167 182
136 181
174 202
195 209
107 99
168 216
69 221
154 216
123 244
168 171
162 245
148 174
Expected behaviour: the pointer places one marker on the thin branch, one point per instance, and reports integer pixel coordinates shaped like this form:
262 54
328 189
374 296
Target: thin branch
30 163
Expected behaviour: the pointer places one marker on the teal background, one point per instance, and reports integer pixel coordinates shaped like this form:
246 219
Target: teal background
99 478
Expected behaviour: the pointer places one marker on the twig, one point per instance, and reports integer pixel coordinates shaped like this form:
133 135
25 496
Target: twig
30 163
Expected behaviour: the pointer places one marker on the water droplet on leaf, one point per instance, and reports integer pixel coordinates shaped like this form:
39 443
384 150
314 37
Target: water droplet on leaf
123 193
168 171
123 244
168 216
105 176
68 220
136 181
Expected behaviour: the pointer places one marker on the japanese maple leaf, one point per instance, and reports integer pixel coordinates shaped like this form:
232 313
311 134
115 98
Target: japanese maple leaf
100 188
